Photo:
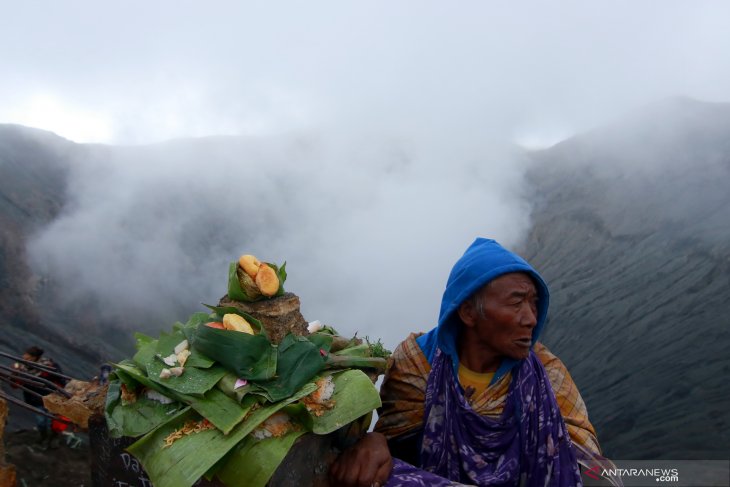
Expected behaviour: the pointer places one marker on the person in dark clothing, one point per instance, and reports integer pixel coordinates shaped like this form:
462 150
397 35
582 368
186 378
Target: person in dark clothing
35 354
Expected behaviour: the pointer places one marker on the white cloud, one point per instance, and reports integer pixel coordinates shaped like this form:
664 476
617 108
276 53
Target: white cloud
51 112
369 229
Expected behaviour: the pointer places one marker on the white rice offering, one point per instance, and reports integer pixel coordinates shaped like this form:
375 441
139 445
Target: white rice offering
325 389
159 397
170 360
278 424
321 400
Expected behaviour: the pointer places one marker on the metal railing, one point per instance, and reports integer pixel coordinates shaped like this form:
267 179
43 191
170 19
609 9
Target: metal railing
31 383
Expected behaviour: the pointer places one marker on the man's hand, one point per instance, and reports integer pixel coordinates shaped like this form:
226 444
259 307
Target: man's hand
365 464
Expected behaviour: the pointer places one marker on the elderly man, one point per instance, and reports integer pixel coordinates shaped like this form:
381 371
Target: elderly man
477 400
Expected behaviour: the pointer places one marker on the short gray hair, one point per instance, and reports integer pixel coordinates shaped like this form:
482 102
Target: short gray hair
478 299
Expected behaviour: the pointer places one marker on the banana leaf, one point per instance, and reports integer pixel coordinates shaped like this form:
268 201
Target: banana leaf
281 273
235 291
129 380
362 350
298 362
145 353
193 381
253 462
142 339
321 340
167 342
197 359
130 371
227 385
113 395
250 357
138 418
354 396
197 318
224 412
217 408
190 457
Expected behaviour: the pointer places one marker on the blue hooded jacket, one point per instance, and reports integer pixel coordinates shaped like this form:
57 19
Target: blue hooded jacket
482 262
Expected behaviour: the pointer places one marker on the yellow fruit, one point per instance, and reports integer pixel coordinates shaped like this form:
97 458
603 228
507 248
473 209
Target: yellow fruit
267 281
250 264
232 321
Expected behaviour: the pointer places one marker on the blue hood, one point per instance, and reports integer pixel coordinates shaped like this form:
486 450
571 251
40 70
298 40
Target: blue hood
482 262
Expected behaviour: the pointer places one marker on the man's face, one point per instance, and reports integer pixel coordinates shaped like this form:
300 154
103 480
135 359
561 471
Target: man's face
508 316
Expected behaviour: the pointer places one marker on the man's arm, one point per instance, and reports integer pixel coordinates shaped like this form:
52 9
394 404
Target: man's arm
400 419
364 464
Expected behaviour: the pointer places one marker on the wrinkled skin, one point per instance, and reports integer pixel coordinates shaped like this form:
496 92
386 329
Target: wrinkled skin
365 464
504 324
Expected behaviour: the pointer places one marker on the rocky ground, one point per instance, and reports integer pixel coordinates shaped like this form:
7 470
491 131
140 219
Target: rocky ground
38 465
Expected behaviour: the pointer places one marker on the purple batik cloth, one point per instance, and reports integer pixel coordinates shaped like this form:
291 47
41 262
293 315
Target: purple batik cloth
406 475
527 445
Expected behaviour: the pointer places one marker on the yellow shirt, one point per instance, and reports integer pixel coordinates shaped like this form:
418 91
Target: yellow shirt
474 380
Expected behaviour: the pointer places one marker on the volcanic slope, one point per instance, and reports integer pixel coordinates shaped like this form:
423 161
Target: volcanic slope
34 168
631 228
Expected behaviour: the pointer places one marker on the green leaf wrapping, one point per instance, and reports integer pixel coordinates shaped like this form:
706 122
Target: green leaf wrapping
197 359
142 339
235 291
140 417
145 354
225 413
193 381
167 342
183 463
117 414
221 311
250 357
281 273
253 462
354 396
196 319
126 379
362 350
321 340
113 394
227 385
298 362
127 369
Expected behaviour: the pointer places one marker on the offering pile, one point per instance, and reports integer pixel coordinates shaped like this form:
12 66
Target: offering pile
216 398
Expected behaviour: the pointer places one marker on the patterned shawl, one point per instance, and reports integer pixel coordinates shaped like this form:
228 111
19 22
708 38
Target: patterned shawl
475 440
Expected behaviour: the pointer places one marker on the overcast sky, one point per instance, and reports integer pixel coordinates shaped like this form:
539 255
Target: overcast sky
390 124
137 72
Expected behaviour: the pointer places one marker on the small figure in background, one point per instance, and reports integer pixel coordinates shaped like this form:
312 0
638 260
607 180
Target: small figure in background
104 372
48 434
